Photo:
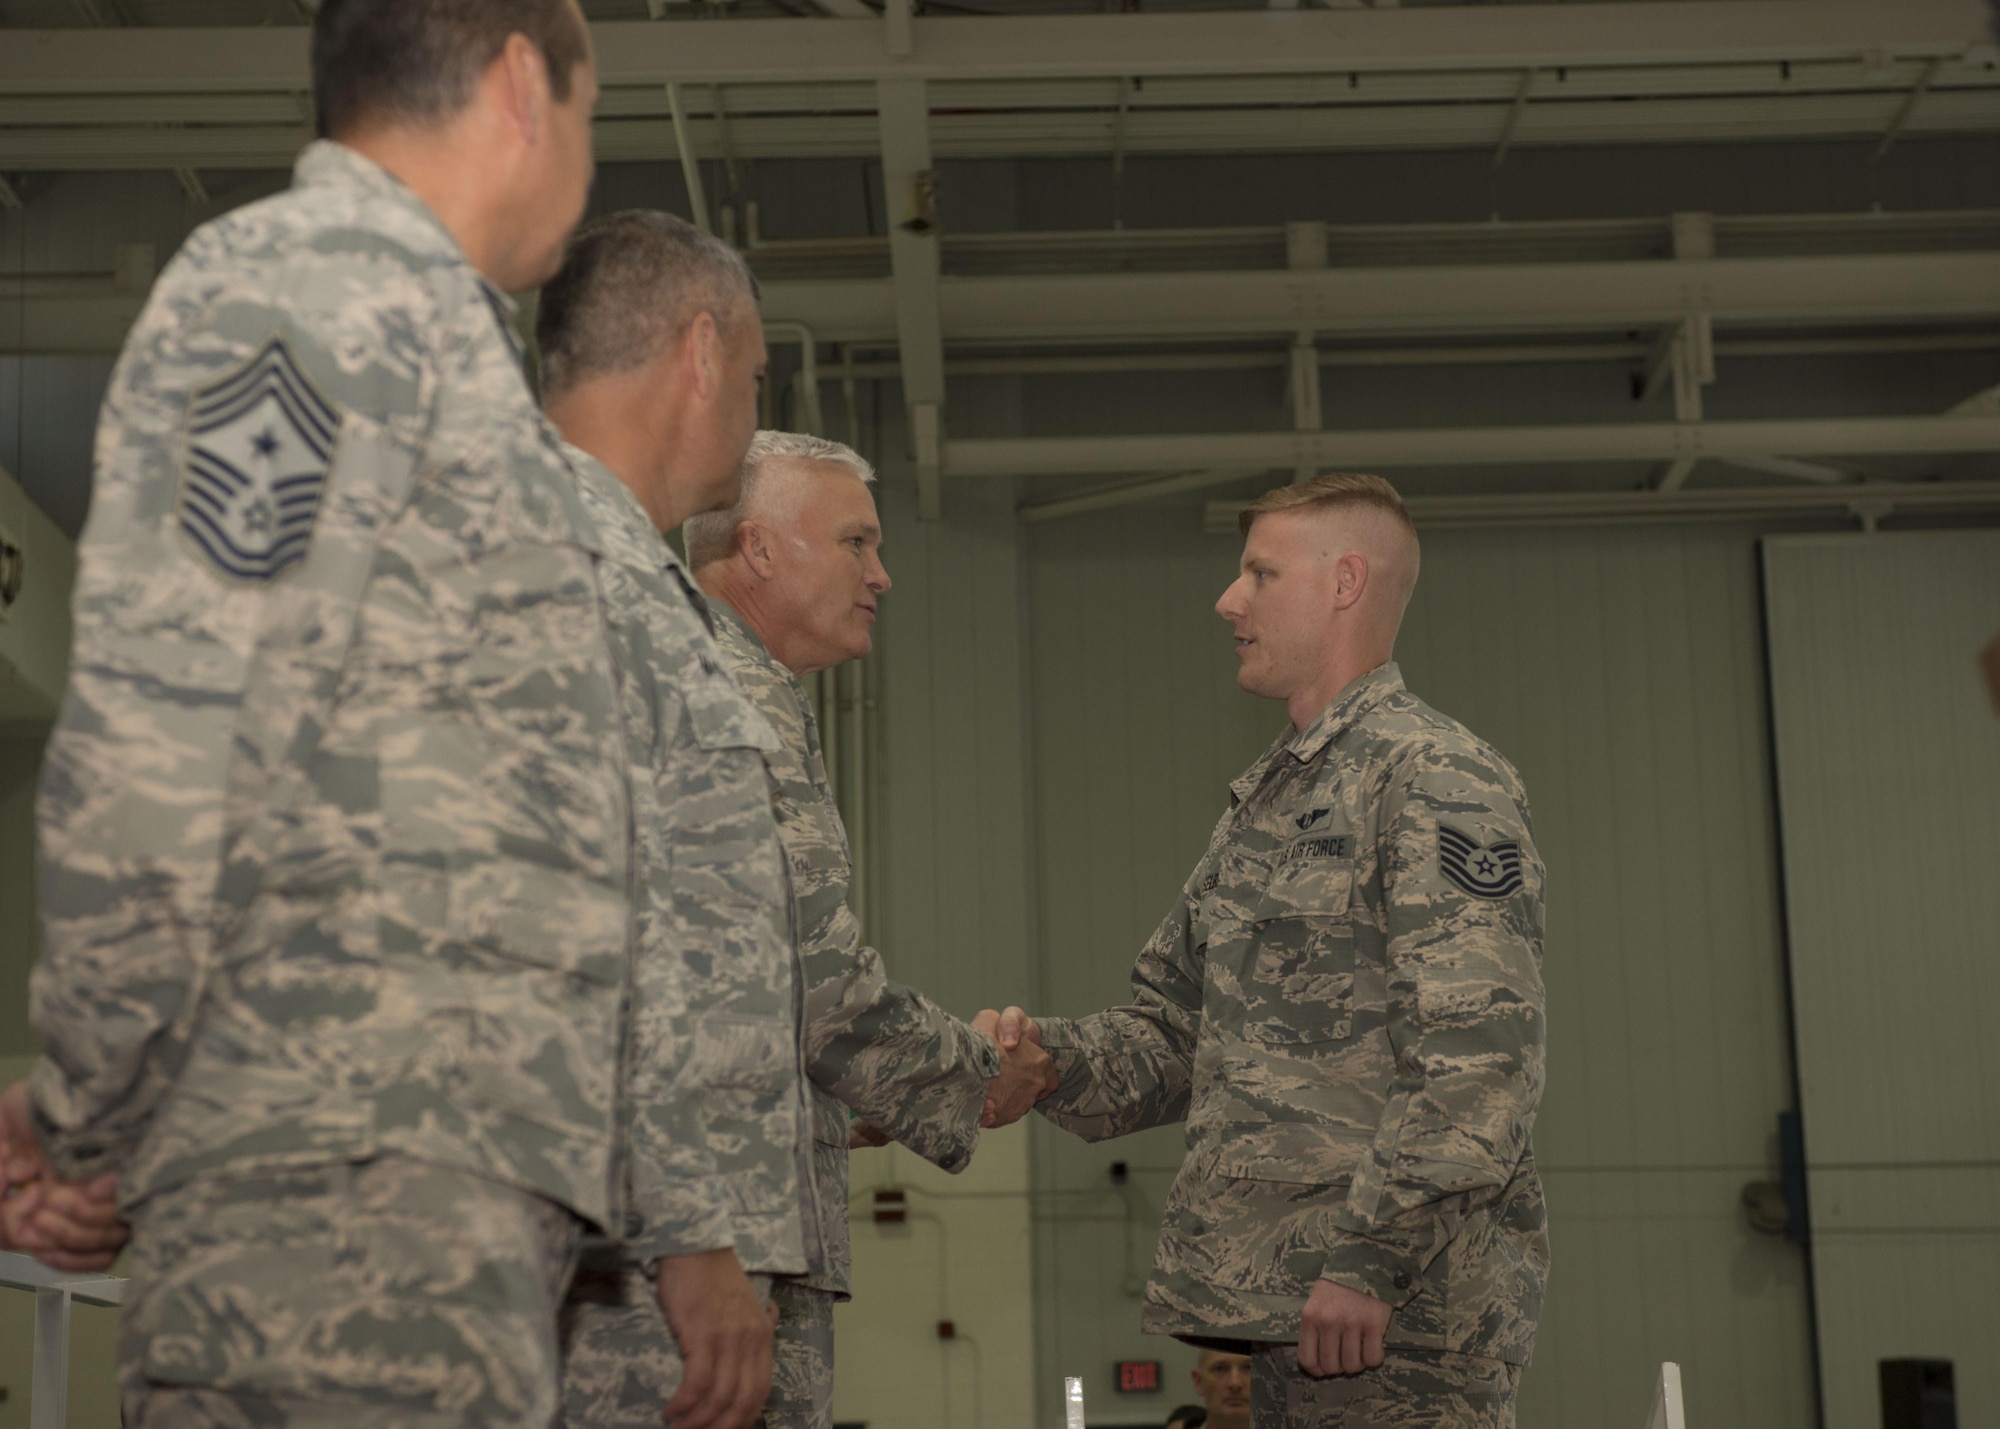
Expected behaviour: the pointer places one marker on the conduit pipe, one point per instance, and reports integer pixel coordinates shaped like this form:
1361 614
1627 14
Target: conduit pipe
1470 446
1867 502
813 416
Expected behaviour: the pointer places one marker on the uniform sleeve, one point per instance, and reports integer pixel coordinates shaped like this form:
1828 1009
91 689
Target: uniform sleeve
1131 1068
891 1055
680 1197
1462 888
173 724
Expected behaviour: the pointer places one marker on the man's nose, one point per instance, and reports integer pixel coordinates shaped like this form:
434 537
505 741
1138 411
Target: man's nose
1229 606
878 575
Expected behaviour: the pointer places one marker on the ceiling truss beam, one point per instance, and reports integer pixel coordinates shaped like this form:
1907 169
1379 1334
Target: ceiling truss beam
909 197
1551 297
920 311
1507 38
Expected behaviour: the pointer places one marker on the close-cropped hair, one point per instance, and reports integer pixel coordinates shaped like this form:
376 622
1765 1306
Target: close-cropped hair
418 61
630 284
711 536
1329 493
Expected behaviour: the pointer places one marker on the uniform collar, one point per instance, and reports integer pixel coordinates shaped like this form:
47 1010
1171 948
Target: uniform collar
594 473
1360 696
1348 707
727 614
326 164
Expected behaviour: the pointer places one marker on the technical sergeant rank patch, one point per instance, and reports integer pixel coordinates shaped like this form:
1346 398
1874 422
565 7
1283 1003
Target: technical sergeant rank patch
260 442
1483 870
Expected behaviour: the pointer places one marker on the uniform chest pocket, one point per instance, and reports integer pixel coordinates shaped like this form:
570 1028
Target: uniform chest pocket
1299 977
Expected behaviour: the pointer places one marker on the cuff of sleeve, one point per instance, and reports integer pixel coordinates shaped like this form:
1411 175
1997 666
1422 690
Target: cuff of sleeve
650 1242
1383 1272
1065 1049
985 1054
945 1129
70 1158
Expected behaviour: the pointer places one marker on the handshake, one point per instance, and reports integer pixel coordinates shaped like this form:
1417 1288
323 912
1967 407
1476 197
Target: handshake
1027 1074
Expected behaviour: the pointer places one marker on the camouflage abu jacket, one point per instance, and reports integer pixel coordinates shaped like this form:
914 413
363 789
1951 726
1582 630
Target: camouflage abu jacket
720 1129
1345 1005
901 1062
334 847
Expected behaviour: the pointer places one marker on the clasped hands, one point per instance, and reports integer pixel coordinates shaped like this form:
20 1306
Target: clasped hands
1027 1074
67 1226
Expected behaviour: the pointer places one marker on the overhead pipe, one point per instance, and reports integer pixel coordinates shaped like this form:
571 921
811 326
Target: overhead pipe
807 381
1471 446
1867 502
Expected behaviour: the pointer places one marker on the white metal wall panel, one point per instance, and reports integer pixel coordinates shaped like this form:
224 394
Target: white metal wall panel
1889 775
1620 670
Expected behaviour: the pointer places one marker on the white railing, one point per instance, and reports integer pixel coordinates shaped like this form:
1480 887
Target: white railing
55 1291
1667 1412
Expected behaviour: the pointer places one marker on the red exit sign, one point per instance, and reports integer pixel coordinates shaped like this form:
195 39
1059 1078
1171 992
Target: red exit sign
1138 1376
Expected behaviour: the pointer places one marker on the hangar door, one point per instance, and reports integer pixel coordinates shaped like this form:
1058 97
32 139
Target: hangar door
1888 756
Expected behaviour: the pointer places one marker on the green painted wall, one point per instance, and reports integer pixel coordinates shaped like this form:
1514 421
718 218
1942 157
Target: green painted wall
19 931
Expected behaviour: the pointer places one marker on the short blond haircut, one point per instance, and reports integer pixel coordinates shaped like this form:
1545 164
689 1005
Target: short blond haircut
1330 492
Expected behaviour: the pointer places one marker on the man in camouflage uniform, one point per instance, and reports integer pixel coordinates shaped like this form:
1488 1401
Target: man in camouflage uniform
796 575
336 866
1345 1005
651 354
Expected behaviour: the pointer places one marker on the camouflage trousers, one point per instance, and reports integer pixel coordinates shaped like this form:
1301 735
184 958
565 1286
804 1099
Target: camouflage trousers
387 1292
620 1363
802 1375
1411 1389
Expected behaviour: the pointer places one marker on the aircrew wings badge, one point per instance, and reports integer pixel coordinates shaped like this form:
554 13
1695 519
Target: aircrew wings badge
260 443
1483 870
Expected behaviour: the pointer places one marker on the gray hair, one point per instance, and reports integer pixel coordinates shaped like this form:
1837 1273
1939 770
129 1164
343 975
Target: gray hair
711 536
630 284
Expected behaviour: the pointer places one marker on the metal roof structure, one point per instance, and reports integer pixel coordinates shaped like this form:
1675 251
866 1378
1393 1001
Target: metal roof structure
204 86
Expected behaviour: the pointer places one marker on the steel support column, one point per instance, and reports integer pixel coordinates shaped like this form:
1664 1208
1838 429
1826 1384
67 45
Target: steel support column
909 197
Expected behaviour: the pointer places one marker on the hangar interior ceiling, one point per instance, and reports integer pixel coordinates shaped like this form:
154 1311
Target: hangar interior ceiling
1714 359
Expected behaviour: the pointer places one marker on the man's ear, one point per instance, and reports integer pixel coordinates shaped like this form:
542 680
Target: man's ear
522 88
754 544
1350 579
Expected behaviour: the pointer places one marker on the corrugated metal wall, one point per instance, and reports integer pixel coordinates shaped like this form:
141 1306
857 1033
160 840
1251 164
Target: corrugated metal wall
1890 790
1621 671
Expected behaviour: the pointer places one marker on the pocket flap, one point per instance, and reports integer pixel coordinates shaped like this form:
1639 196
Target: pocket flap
721 714
1314 876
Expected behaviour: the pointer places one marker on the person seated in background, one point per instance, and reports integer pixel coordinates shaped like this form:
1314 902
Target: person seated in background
1223 1382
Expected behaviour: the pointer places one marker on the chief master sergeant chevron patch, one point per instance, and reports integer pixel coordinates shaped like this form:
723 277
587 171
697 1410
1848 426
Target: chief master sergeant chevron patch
1483 870
260 442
